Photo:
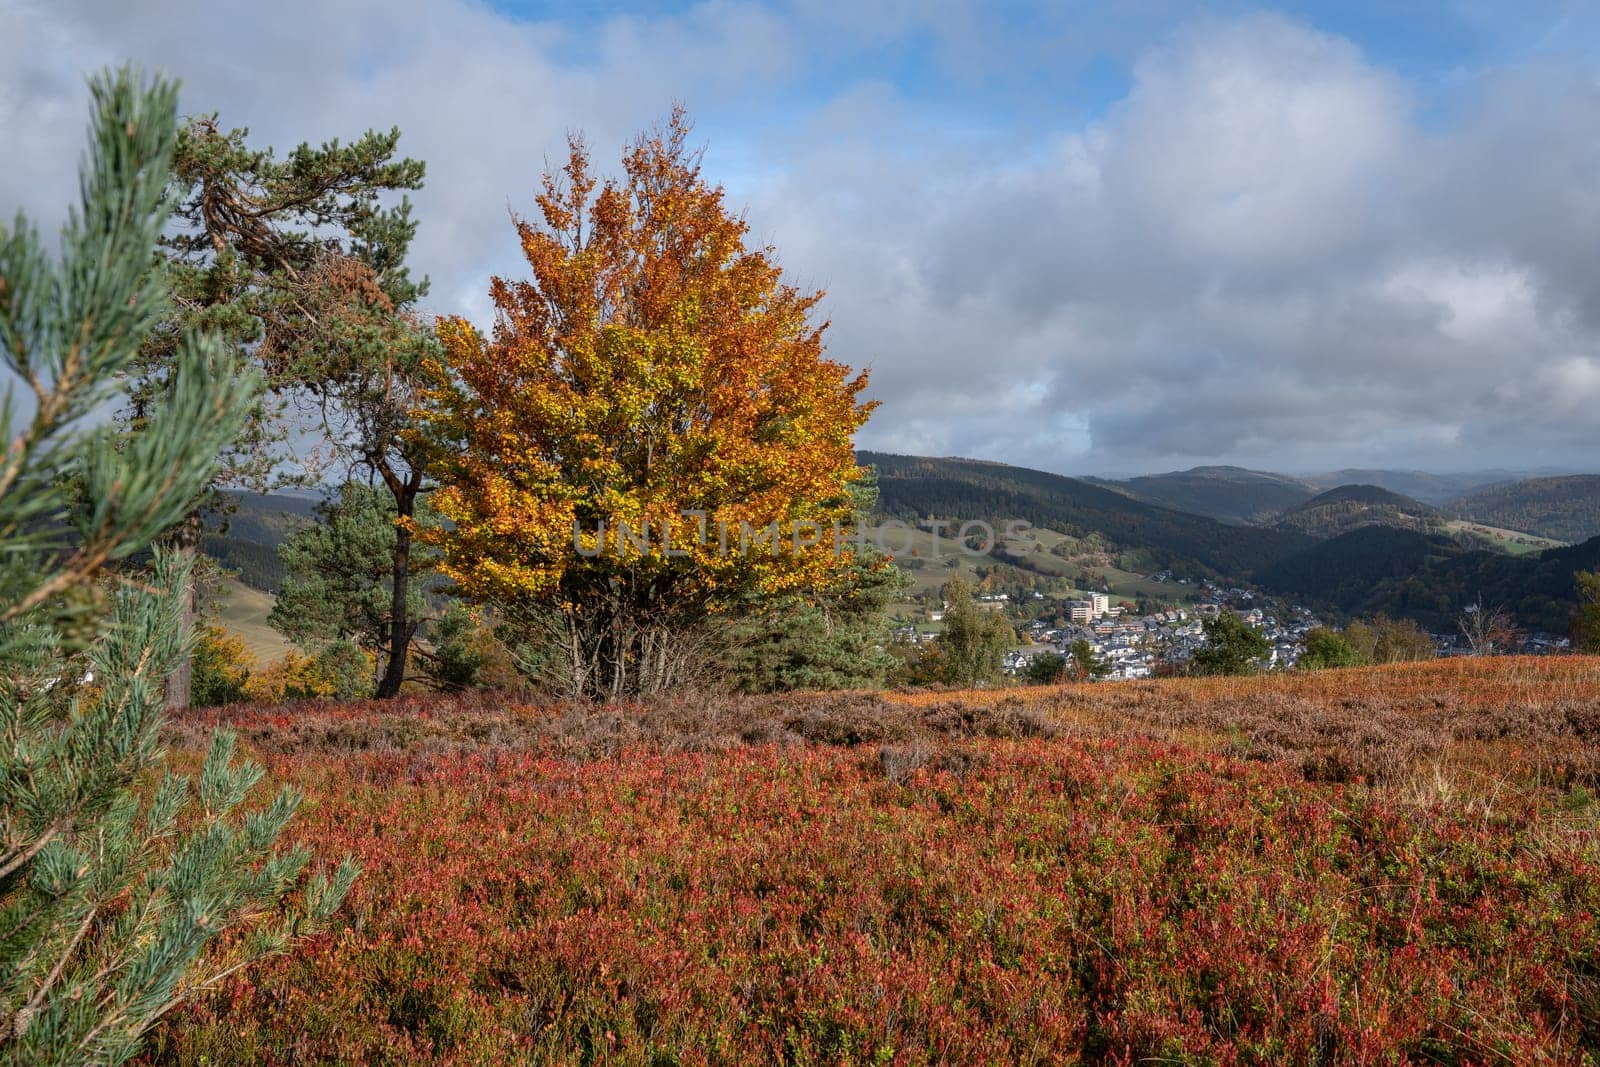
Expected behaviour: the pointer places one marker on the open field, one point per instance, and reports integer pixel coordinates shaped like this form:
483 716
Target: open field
1514 542
931 562
1385 865
243 611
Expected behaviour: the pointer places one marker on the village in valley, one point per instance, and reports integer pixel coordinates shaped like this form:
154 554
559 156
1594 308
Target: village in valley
1130 644
1142 639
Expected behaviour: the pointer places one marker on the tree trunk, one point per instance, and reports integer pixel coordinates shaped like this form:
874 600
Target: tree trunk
400 624
185 545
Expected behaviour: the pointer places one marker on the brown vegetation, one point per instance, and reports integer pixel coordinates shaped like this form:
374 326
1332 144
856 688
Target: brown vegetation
1510 715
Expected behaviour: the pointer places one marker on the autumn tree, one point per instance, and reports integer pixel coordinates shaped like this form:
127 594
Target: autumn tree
1384 640
1488 630
656 386
298 263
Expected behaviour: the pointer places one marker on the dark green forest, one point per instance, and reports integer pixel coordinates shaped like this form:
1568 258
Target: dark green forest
1565 508
1430 578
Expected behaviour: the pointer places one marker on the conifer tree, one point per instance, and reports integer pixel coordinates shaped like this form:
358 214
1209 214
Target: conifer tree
836 636
116 882
337 573
298 261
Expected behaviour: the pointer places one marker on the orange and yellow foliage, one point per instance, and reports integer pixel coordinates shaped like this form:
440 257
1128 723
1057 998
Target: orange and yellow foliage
653 364
298 677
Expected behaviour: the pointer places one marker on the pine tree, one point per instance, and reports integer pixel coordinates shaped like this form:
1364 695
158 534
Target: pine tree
115 882
297 261
337 575
833 637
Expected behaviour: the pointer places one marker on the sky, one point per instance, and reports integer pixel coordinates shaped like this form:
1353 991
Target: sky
1086 237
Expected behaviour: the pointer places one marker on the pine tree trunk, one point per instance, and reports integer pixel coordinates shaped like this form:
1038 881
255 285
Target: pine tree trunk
185 548
400 624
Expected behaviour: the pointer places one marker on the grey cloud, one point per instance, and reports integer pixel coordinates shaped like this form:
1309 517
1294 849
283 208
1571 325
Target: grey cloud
1269 252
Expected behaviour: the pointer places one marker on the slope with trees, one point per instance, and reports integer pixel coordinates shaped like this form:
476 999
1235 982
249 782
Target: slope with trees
1350 507
1432 578
1565 508
912 489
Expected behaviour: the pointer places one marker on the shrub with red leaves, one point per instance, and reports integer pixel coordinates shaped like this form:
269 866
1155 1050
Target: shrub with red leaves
958 879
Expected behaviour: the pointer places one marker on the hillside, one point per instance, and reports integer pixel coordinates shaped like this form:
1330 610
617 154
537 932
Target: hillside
1148 537
243 610
1350 507
1565 508
244 535
1431 577
1359 572
1231 494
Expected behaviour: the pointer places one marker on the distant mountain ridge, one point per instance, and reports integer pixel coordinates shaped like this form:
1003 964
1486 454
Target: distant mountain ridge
1434 489
1231 494
1239 494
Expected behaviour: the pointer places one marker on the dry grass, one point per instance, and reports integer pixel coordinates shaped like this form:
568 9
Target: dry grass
1531 719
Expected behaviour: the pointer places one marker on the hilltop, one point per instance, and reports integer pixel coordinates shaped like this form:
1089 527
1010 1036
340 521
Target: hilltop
1231 494
1349 507
1237 494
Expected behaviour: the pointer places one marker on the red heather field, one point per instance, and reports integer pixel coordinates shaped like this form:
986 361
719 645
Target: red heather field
1381 866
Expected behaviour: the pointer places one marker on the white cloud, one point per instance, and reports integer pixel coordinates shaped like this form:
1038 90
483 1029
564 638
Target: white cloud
1264 253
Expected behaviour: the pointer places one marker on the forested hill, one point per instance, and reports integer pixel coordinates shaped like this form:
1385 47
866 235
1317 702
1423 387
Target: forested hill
1232 494
913 488
1350 507
245 533
1565 508
1431 577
